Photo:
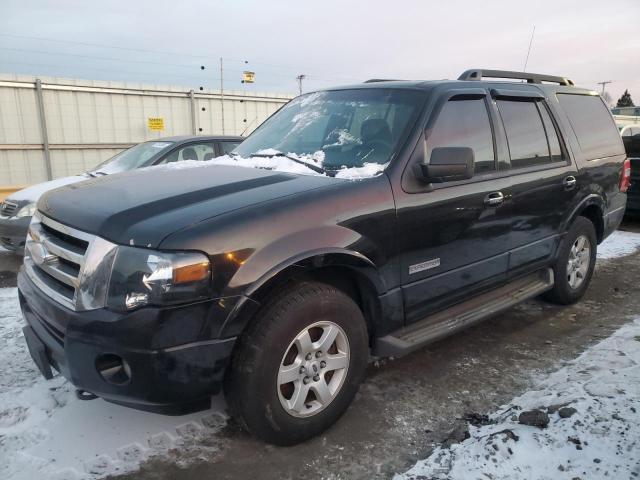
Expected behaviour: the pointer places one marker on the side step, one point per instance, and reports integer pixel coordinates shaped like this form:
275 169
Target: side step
462 315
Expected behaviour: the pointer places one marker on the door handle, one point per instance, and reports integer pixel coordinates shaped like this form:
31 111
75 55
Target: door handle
494 199
569 182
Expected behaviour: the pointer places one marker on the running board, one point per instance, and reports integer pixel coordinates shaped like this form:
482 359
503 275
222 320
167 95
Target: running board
462 315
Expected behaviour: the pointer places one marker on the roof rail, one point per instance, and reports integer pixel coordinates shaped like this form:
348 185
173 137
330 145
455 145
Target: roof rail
374 80
478 74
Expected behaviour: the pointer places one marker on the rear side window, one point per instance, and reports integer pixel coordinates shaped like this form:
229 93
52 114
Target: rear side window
465 123
592 124
526 136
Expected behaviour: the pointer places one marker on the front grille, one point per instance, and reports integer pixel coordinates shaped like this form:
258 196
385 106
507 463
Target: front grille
8 209
56 257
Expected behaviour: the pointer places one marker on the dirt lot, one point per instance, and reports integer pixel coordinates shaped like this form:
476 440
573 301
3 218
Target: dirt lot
408 405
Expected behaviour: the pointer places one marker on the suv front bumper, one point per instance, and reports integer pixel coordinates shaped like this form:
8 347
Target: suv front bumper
167 366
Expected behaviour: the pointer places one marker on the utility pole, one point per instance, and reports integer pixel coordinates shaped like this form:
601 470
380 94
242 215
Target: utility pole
300 78
222 93
603 84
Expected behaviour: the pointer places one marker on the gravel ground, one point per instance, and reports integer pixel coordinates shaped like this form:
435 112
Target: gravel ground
404 411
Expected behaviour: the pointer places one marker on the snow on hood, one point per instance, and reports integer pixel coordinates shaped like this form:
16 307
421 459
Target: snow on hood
34 192
271 159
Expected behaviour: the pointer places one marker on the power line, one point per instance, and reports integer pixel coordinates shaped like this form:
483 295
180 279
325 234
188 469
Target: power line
86 44
160 52
93 57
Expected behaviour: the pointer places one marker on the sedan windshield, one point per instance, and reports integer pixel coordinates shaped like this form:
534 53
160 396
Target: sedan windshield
134 157
344 133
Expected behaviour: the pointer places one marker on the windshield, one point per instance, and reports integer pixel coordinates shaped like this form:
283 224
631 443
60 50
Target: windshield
131 158
343 133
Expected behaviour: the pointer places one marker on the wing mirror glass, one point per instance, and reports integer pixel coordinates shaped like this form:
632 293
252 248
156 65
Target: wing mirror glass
448 164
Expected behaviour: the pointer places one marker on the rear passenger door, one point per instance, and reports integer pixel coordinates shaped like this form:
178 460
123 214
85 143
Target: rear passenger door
544 182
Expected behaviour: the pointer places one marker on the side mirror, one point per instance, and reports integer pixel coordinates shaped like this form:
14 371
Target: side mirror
448 164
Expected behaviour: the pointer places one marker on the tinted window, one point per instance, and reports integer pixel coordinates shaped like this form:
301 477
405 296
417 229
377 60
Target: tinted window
227 147
525 133
465 123
592 124
552 134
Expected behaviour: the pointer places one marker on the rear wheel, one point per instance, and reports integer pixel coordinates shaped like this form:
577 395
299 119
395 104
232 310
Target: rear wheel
575 263
299 365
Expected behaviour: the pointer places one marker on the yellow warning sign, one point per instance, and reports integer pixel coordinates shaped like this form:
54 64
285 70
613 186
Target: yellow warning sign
155 123
248 77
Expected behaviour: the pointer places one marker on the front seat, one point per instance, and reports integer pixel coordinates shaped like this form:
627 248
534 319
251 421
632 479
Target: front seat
189 153
209 156
376 139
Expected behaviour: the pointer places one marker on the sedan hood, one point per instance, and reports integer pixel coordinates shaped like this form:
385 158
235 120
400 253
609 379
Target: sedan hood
143 206
33 193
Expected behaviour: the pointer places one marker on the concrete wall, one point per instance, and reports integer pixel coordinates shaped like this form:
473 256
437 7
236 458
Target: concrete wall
87 122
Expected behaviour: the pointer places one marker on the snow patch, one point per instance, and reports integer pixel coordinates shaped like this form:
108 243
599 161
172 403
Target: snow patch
619 244
600 440
271 159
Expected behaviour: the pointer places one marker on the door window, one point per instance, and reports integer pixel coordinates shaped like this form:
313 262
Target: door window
525 131
192 151
465 123
552 134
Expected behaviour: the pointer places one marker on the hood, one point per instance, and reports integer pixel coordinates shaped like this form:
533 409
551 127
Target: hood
33 193
142 207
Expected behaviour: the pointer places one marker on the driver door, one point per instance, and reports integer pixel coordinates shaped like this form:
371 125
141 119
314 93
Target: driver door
454 235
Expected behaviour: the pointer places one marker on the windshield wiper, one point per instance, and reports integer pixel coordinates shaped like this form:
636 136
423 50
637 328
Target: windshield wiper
315 168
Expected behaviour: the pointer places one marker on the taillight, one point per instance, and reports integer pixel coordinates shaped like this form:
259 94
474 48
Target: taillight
625 178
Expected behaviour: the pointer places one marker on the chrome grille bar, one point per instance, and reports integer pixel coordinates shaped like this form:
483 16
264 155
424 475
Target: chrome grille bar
63 261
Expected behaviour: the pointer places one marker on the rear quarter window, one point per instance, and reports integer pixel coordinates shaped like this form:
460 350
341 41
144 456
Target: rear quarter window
592 123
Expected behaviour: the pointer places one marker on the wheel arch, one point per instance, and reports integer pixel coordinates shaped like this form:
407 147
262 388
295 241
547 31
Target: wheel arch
348 271
592 207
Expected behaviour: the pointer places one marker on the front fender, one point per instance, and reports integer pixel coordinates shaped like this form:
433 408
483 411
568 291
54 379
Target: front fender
315 248
326 245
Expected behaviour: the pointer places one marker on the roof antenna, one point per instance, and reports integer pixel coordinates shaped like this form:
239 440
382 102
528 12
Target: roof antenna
529 50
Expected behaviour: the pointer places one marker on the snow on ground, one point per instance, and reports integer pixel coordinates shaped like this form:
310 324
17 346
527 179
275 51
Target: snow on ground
600 440
46 432
619 244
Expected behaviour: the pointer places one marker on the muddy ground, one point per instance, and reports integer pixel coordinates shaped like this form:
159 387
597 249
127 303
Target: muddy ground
408 405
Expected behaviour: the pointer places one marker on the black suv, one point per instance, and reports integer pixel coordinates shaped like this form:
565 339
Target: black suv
356 221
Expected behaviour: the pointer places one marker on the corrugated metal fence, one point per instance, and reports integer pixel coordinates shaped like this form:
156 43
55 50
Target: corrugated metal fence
51 128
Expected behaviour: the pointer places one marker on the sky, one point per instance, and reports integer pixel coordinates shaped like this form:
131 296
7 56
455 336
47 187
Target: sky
332 42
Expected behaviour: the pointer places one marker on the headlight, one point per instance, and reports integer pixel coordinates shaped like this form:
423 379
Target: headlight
28 210
142 277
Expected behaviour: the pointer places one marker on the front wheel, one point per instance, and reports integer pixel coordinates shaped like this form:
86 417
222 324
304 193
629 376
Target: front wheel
299 365
575 263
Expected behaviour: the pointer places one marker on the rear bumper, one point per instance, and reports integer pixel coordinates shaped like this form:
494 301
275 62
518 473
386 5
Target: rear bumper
13 232
172 379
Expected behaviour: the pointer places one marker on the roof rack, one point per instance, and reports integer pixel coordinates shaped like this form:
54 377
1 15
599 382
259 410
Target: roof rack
478 74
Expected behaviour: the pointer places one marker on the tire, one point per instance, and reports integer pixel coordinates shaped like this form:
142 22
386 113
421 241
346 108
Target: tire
269 354
568 289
